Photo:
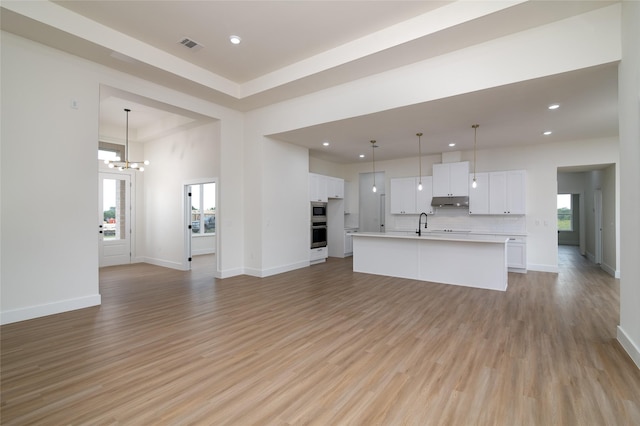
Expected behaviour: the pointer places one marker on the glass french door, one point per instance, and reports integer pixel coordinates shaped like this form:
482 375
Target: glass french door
114 219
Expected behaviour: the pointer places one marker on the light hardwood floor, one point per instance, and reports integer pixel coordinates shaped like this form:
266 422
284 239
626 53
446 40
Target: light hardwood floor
326 346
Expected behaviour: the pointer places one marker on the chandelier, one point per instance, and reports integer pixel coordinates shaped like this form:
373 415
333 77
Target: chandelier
125 164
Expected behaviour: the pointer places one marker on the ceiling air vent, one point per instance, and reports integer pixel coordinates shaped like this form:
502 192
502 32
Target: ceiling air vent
191 44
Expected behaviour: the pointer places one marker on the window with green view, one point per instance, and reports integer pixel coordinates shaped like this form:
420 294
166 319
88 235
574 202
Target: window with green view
565 213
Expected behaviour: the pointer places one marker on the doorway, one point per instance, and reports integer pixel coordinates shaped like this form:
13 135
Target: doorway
114 219
200 200
593 198
372 204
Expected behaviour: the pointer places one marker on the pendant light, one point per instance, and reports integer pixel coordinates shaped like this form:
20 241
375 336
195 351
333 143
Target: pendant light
419 135
126 164
475 133
373 157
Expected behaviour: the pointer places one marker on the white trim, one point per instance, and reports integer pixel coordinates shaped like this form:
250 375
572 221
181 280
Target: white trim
186 219
263 273
186 235
165 263
543 268
230 273
597 208
103 170
629 346
202 251
609 270
38 311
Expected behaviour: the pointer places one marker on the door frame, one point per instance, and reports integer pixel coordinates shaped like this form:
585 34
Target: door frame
132 208
597 208
186 222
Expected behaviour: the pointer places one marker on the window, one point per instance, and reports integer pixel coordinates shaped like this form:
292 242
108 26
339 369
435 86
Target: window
565 213
203 208
109 151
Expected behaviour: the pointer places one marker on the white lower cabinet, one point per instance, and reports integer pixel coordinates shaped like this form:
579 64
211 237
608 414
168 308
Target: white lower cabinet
517 254
319 254
348 243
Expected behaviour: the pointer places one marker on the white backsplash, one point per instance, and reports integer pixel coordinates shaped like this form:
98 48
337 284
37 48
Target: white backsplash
460 219
351 220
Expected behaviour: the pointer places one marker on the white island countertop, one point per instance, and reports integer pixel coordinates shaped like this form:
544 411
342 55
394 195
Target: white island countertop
465 259
446 236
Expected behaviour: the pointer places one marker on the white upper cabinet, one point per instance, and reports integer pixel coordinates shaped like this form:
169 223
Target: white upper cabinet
507 192
516 191
451 179
317 187
403 196
335 187
479 196
321 187
406 199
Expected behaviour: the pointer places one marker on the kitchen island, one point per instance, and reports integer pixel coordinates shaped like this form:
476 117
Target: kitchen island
460 259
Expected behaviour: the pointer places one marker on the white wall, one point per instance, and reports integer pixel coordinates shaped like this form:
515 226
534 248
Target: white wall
629 113
49 168
203 244
176 159
285 212
54 164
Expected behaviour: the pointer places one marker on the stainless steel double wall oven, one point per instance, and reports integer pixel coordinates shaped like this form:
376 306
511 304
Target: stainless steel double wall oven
318 224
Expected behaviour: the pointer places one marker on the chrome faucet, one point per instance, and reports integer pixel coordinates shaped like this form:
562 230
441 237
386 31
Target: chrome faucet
419 231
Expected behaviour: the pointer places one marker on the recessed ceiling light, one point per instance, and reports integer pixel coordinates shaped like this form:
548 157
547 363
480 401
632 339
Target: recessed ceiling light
547 133
361 156
325 143
554 106
234 39
452 144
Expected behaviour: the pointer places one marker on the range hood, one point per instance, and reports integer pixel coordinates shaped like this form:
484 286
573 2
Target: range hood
462 202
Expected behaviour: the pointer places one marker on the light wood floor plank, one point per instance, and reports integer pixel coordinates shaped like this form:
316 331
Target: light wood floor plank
325 346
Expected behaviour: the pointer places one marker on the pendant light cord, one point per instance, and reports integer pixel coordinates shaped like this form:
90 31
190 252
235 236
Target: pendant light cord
419 135
475 138
126 141
373 158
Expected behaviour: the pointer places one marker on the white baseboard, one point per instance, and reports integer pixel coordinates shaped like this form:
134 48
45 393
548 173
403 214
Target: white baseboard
629 346
543 268
262 273
23 314
609 270
165 263
203 251
230 273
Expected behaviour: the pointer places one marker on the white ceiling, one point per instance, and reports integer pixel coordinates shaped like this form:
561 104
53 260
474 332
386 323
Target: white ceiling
291 48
